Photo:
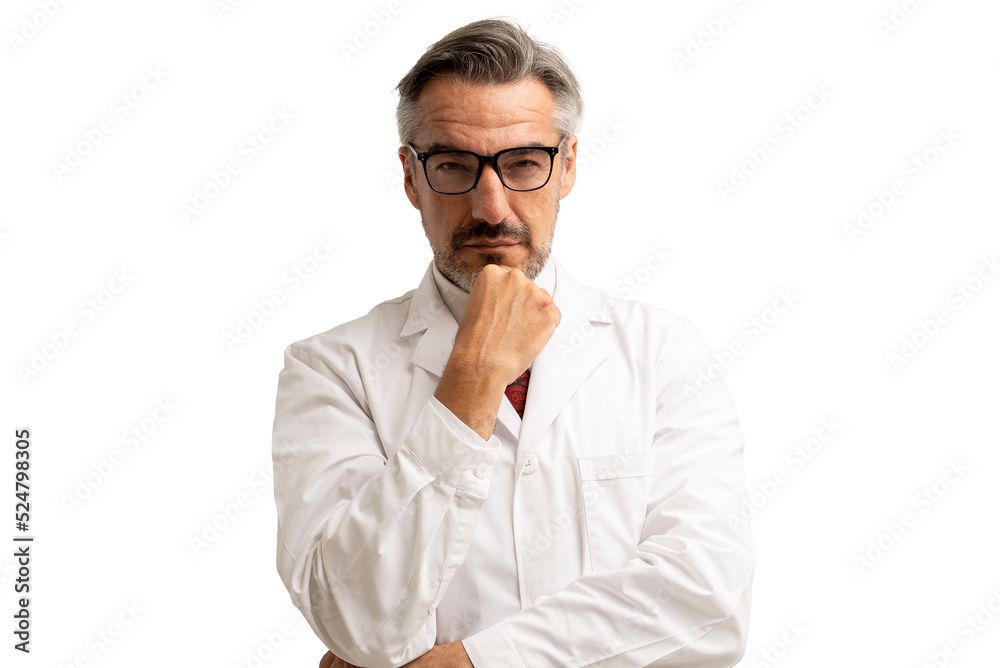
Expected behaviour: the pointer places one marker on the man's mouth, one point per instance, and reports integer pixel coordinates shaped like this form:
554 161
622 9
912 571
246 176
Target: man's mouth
492 245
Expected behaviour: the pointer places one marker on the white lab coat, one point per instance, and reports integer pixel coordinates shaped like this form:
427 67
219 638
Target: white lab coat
627 552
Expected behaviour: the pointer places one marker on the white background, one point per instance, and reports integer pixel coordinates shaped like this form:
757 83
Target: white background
662 135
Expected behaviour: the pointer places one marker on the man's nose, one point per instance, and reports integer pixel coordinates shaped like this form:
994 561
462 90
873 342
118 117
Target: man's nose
489 197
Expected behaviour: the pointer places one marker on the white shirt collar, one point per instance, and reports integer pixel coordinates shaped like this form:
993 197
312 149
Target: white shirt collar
455 297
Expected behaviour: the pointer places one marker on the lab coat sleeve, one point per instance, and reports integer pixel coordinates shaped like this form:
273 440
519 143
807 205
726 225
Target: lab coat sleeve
367 544
683 600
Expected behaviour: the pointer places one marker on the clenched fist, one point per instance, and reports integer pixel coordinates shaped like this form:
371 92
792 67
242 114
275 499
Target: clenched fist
508 320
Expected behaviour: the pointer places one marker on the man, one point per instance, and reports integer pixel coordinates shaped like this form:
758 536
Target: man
427 514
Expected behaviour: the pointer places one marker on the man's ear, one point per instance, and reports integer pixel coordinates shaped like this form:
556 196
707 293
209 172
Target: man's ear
568 162
408 185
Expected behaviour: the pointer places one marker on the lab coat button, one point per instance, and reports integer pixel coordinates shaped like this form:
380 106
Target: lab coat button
540 599
531 465
483 471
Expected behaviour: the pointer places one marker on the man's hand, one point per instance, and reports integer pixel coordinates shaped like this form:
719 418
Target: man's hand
451 655
331 660
508 320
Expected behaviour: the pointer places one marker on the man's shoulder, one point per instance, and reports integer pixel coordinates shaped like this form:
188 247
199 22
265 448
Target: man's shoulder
660 332
632 317
645 341
385 320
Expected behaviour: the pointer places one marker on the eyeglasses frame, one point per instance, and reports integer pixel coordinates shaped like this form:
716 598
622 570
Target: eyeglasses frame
423 156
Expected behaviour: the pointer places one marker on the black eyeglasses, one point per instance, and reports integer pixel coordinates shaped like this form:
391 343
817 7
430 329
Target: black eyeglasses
523 168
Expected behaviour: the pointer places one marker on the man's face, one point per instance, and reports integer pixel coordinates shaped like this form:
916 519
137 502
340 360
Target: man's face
489 224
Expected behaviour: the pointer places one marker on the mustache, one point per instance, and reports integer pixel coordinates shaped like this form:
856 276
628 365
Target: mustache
480 229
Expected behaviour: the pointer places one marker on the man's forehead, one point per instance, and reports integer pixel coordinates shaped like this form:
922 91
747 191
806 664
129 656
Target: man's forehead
453 112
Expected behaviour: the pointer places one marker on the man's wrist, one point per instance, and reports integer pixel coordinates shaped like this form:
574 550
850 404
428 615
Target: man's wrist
453 655
474 398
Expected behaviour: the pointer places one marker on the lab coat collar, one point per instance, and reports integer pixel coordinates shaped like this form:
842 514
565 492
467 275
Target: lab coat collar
579 344
429 314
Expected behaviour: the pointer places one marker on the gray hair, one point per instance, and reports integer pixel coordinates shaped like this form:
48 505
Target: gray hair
494 52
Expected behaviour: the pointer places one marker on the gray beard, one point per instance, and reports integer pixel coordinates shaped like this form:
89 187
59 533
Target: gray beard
464 276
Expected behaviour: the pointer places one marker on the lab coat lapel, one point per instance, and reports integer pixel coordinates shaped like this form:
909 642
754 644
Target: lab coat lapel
580 343
429 314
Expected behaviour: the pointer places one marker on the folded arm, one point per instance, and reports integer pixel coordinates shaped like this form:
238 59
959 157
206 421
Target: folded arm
367 544
683 599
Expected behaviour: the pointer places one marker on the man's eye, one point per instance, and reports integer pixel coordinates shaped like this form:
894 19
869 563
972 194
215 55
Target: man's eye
451 167
525 164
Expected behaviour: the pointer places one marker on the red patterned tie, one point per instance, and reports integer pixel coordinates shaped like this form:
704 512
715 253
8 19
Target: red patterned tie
517 392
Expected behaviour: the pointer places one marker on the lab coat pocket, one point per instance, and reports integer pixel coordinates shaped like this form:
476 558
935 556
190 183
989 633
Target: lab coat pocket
615 489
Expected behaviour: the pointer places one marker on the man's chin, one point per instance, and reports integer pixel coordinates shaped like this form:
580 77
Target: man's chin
463 268
494 258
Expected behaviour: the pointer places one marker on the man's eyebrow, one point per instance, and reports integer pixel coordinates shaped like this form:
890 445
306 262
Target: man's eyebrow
435 146
442 147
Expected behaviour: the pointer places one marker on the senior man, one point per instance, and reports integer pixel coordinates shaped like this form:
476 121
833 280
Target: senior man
504 467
